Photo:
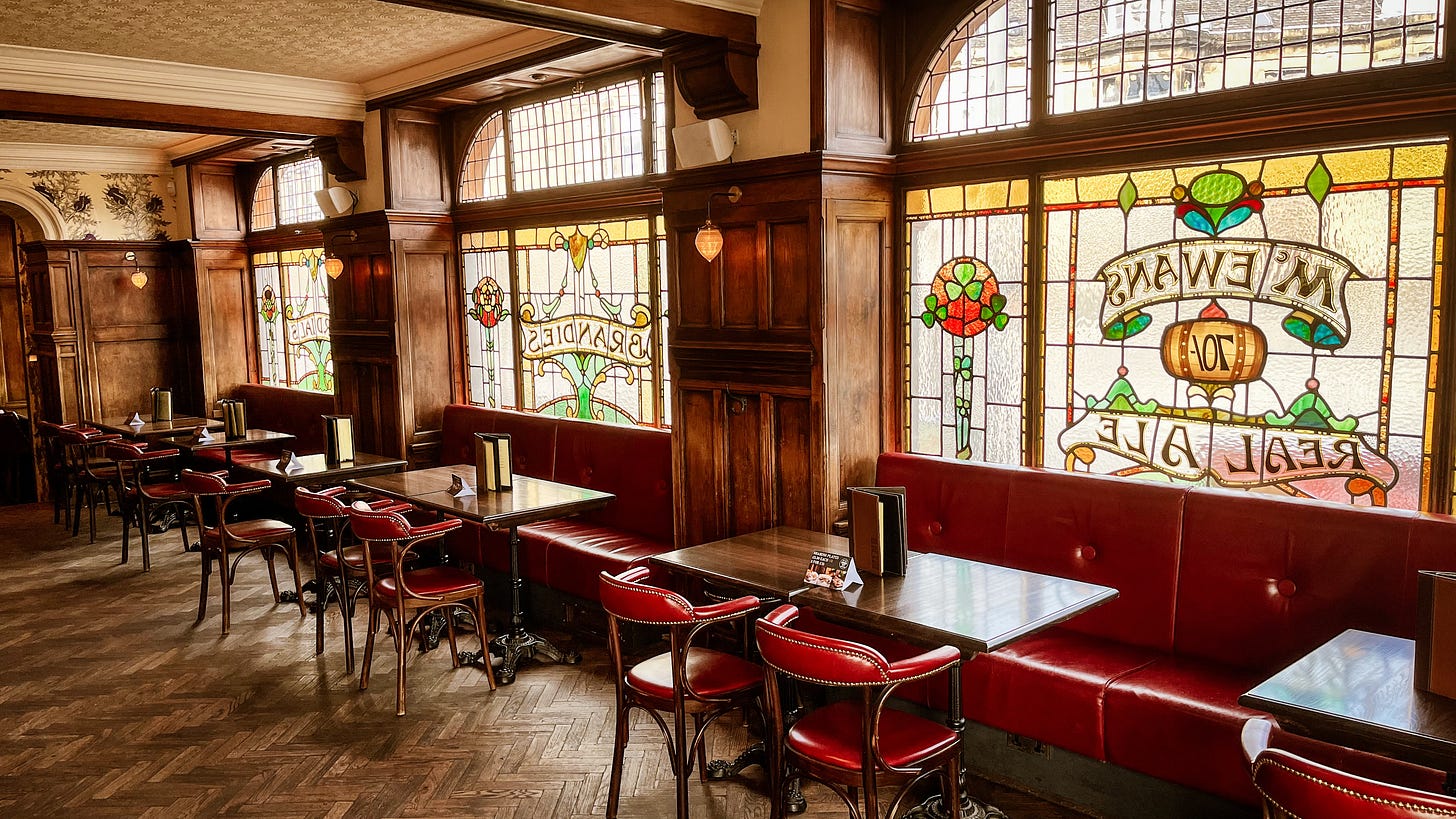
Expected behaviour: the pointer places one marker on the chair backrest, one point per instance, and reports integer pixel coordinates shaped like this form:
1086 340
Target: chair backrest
321 504
816 658
377 525
625 596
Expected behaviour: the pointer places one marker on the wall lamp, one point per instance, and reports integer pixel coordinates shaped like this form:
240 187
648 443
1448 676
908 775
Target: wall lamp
710 239
333 265
138 277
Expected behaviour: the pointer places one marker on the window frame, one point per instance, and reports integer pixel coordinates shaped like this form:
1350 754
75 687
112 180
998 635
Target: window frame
255 176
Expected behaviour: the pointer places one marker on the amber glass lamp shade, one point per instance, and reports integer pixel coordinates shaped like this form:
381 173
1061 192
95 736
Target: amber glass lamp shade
139 279
334 266
709 241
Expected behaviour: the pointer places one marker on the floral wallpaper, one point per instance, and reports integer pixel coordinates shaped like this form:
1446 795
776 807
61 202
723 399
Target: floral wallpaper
109 206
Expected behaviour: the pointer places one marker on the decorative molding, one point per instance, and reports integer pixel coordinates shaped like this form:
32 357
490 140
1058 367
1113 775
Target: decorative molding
45 213
74 73
501 49
753 7
111 159
716 77
197 145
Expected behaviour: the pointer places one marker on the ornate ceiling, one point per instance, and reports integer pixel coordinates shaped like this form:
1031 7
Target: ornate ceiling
343 40
60 134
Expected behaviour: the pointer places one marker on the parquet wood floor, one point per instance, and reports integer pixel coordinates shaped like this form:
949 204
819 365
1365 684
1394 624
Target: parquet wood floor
113 704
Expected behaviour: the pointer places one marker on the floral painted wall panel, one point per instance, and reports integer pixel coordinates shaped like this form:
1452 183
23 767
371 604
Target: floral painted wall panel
107 206
964 353
1260 324
490 343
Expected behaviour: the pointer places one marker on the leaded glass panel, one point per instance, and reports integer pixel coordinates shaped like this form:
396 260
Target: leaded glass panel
978 81
490 343
297 183
964 352
587 136
1260 323
483 176
292 301
263 215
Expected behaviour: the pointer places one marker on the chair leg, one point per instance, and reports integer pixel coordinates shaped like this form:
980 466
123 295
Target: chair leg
272 575
202 596
369 646
125 533
401 647
682 753
953 777
871 793
91 509
292 555
484 642
450 630
346 605
700 741
227 597
141 511
75 492
619 749
324 589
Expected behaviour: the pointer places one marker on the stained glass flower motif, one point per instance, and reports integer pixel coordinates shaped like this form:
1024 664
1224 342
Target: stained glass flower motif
965 299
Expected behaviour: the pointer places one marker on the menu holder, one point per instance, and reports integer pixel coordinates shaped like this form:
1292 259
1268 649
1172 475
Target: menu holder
459 487
493 461
339 438
200 435
289 462
161 404
135 420
1436 633
832 571
878 533
234 418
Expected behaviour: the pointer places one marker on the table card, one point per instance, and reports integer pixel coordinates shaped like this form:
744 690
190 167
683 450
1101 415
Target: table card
459 488
289 462
493 461
234 418
832 571
1436 633
339 438
877 529
135 420
161 404
200 435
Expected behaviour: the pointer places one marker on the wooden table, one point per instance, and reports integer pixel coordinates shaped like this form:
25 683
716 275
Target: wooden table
251 437
531 500
317 470
179 425
769 563
1358 690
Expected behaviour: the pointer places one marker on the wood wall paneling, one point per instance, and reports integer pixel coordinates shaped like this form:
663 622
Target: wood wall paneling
226 331
417 173
431 342
12 322
853 95
218 204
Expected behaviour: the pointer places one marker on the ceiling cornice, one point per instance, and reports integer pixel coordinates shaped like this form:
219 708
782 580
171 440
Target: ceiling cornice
501 49
74 73
109 159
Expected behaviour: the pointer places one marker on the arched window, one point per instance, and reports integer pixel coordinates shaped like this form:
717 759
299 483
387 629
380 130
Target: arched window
265 213
297 183
978 81
483 176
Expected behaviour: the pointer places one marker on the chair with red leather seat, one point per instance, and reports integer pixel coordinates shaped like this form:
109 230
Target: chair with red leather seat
211 496
851 744
1294 787
140 495
88 475
339 570
407 595
687 679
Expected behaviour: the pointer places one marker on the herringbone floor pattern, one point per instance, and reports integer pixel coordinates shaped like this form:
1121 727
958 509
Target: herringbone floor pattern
113 704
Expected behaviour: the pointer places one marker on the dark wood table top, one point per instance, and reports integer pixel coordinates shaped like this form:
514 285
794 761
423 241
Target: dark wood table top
769 563
317 470
531 500
1358 690
251 437
949 600
179 425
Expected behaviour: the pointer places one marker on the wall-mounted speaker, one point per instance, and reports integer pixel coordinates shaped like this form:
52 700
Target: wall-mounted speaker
702 143
336 201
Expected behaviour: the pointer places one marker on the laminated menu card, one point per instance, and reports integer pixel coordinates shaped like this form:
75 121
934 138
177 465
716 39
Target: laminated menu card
877 529
493 461
1436 633
832 571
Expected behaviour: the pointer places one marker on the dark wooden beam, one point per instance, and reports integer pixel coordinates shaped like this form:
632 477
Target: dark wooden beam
216 151
545 56
637 22
29 105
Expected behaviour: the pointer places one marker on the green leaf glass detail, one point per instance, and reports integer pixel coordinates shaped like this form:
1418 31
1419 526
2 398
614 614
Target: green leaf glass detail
1127 195
1319 181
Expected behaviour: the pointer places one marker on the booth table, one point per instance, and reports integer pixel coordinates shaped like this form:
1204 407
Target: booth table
317 470
149 430
251 437
531 500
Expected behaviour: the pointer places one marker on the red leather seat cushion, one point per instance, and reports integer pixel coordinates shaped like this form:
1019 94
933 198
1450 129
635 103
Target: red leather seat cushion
262 529
577 551
1179 719
951 508
353 558
435 580
711 674
834 734
169 491
1050 687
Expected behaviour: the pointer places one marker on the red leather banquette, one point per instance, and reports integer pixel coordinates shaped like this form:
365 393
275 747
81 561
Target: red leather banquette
296 412
1219 589
633 463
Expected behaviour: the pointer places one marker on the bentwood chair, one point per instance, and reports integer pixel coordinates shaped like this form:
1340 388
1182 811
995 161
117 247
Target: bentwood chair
339 570
407 595
139 496
687 679
1294 787
212 496
89 476
853 743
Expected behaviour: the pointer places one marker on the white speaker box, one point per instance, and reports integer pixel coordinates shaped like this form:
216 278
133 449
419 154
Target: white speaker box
336 201
702 143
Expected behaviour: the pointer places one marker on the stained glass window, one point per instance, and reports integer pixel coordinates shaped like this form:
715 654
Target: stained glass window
586 136
297 183
659 123
1113 52
567 320
483 176
1262 323
292 301
966 301
978 80
264 215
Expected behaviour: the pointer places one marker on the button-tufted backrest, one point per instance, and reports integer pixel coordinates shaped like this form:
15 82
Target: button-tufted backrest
951 507
1263 580
1111 531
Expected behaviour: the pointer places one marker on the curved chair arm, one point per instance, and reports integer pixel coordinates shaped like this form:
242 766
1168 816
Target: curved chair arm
1254 738
430 530
726 610
248 487
390 505
1300 787
928 664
